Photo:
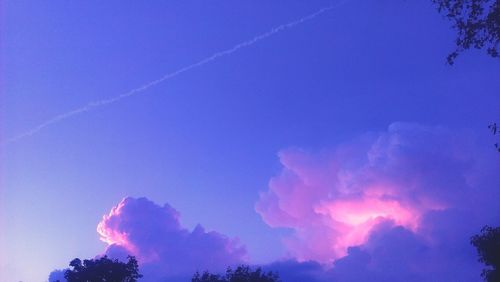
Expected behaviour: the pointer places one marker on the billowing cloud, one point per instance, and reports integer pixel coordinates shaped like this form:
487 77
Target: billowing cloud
163 247
423 180
398 205
391 253
394 253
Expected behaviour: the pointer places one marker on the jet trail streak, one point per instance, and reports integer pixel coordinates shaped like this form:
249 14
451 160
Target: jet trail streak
141 89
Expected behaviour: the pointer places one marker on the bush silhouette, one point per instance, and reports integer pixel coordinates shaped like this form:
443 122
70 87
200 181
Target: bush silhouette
243 273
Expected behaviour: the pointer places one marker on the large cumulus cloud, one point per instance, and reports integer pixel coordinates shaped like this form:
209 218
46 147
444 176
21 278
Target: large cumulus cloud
163 247
394 205
398 205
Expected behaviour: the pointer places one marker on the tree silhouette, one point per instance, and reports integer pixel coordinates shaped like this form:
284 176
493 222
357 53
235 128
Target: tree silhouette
243 273
494 129
477 23
488 247
103 270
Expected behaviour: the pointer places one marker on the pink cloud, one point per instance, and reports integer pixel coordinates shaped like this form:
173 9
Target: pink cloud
163 247
398 205
334 199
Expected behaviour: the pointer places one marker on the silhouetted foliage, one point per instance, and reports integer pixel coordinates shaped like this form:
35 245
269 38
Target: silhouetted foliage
103 270
488 247
477 23
242 273
494 130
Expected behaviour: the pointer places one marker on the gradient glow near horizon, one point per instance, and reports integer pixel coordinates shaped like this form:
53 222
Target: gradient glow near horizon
322 151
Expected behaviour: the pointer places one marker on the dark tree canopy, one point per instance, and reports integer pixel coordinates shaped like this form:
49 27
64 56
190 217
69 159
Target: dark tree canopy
477 23
487 244
103 270
242 274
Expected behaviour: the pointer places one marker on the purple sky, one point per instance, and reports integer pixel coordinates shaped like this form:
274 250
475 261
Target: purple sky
339 148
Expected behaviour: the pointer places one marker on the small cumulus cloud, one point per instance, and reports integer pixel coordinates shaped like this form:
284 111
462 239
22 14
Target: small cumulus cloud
163 247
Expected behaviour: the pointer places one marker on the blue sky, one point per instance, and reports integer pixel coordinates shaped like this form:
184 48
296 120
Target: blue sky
206 141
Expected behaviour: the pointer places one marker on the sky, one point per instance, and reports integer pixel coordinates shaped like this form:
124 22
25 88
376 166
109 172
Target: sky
335 148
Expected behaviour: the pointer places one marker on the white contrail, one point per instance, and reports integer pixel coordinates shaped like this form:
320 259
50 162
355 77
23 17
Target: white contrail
100 103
